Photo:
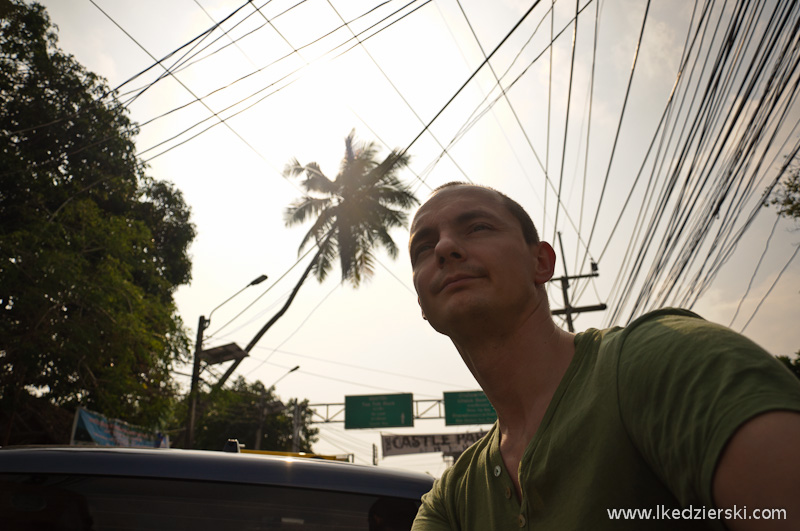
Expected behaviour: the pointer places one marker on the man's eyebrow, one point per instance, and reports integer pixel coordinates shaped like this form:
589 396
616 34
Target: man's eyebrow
461 219
469 215
417 235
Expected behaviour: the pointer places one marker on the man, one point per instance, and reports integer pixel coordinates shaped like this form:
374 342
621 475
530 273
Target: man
670 413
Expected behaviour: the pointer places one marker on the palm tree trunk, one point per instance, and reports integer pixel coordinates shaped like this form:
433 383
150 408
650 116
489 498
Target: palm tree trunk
285 306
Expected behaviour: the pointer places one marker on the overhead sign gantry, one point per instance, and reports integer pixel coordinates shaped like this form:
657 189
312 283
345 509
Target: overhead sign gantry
459 408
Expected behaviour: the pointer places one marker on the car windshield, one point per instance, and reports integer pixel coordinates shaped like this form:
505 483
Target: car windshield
78 502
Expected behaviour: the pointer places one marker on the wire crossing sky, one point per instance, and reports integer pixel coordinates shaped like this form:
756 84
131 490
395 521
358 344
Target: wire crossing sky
647 134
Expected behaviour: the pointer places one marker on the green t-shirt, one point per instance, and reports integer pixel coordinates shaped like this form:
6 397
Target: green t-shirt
638 421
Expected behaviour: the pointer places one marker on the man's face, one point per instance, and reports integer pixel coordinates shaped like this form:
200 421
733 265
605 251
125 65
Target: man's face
470 260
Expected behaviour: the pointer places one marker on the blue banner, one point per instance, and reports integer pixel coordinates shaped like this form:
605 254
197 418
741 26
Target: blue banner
103 431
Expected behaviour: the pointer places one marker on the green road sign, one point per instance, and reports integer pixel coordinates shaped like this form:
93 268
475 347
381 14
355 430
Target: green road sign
379 411
467 407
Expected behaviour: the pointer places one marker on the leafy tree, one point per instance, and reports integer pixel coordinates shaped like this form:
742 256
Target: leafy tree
248 412
91 249
353 213
786 195
793 364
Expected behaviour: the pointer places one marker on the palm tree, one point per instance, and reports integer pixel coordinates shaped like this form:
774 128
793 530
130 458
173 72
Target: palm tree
354 213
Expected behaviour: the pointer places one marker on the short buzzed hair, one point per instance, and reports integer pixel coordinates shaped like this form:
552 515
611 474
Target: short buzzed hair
529 231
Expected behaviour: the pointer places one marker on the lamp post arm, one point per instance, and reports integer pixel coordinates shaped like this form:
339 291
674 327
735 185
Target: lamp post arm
258 280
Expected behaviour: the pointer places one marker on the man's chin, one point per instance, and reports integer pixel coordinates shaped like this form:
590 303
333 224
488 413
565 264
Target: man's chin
462 317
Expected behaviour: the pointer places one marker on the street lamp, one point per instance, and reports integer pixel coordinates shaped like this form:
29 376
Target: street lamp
290 371
267 409
212 356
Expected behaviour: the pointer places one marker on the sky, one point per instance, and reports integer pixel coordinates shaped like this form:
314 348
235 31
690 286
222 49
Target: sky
571 118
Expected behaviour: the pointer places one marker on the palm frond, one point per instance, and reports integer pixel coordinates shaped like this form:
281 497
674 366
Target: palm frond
364 269
349 148
347 248
388 168
359 158
293 168
316 181
392 196
353 216
355 212
320 230
368 151
325 258
381 215
304 208
382 235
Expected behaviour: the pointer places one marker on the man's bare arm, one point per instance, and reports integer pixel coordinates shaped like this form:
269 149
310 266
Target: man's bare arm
760 469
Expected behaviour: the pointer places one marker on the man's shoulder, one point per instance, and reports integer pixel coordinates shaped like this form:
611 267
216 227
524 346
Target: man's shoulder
672 345
678 316
665 330
677 332
646 331
703 369
668 314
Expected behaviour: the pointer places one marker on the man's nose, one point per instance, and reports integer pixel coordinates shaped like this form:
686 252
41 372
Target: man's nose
449 248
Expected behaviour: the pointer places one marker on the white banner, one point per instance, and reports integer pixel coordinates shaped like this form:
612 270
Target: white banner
416 444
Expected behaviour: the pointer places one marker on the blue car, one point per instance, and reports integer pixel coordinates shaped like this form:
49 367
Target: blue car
80 488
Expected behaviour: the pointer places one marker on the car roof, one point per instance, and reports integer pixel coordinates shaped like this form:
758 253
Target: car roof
228 467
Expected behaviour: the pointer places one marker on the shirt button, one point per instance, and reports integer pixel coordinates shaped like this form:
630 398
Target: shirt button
508 492
522 520
497 471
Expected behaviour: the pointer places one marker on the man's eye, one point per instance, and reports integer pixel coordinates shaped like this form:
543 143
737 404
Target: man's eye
480 226
420 250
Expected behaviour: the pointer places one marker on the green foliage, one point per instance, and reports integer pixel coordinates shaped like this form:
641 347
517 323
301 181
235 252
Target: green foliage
91 249
244 409
793 364
354 212
786 196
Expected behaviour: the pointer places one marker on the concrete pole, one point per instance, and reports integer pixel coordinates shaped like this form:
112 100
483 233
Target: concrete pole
297 425
262 414
198 347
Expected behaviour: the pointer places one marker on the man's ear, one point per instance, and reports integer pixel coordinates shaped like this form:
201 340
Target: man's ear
420 309
544 262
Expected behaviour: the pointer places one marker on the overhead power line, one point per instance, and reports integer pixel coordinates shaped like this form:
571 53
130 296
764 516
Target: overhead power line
733 114
361 367
483 108
774 283
230 128
286 79
485 61
397 91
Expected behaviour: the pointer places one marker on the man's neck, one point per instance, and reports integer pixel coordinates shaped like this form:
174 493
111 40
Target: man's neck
520 370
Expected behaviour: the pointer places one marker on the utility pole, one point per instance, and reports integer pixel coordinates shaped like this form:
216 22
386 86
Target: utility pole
265 408
198 348
296 427
262 414
569 310
212 357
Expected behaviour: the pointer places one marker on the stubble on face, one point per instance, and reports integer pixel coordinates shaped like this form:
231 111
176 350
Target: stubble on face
481 264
